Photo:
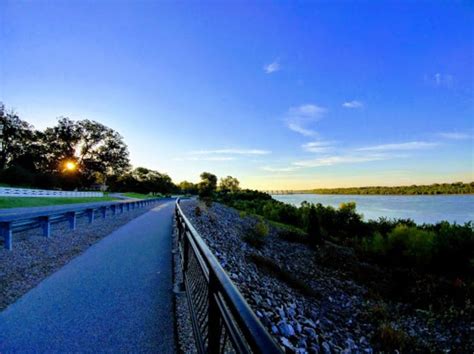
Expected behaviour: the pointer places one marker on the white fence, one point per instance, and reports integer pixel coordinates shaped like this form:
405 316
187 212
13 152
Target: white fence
25 192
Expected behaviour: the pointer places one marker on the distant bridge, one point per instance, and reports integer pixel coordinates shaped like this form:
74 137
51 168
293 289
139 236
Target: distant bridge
280 192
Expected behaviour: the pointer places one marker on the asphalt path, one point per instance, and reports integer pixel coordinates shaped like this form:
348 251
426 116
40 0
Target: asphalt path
115 297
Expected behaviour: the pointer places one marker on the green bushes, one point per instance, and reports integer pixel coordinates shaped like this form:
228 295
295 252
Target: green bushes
290 233
197 211
443 247
256 236
453 247
403 245
387 338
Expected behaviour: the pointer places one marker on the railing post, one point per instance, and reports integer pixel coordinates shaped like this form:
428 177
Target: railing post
7 233
185 250
121 208
103 211
113 208
46 226
90 215
71 217
214 319
128 206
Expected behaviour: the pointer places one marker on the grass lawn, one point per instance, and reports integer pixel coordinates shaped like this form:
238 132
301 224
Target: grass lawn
140 196
17 202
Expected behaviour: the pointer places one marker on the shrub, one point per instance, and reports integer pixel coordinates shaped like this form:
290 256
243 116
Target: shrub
387 338
378 312
290 233
404 245
314 228
454 247
197 211
414 244
256 236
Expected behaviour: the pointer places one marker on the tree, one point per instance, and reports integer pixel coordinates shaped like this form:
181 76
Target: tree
17 137
144 180
229 184
153 181
314 227
208 185
99 151
188 187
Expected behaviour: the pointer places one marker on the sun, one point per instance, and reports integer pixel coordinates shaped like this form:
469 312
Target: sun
70 166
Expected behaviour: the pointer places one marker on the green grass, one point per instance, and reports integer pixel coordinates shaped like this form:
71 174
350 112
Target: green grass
140 195
16 202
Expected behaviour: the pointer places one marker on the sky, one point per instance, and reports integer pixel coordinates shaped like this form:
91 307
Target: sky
281 95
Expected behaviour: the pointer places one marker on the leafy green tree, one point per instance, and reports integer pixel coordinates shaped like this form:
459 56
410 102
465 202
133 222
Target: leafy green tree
99 151
62 142
229 184
17 137
314 227
144 180
188 187
208 185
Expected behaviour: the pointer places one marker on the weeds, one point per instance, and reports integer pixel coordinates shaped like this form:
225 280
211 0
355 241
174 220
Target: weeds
256 236
269 266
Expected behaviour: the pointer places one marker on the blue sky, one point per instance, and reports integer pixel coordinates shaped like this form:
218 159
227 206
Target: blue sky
278 94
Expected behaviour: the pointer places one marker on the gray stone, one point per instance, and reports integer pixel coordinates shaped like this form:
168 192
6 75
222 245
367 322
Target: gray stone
326 347
287 343
286 329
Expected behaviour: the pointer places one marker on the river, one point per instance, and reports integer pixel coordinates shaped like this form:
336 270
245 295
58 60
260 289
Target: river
421 209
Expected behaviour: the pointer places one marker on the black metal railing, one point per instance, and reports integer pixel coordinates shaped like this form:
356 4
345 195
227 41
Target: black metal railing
222 320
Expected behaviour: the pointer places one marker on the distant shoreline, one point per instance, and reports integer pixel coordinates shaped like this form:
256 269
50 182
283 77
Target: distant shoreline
458 188
379 194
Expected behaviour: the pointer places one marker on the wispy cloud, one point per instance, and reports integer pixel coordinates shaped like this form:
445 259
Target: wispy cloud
353 104
318 146
341 159
231 152
440 80
298 118
272 67
296 127
455 136
411 145
205 158
280 169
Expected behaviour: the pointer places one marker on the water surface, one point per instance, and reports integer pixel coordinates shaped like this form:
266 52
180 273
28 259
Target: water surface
421 209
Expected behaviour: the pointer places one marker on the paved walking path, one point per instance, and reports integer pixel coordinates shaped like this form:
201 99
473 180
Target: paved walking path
115 297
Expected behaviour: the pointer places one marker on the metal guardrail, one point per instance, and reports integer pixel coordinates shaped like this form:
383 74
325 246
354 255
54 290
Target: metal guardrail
29 220
27 192
222 320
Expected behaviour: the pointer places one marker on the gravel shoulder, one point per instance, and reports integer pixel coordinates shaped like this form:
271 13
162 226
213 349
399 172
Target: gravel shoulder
34 257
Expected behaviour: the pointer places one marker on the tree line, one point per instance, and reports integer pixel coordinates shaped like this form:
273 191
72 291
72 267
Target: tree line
80 154
83 154
432 189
